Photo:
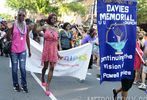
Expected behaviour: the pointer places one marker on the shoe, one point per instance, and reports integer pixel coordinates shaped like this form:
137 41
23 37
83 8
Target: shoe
25 89
142 86
44 84
47 93
114 94
135 83
146 91
17 88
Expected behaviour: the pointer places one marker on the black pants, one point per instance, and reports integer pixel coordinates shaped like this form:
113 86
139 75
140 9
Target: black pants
91 62
127 83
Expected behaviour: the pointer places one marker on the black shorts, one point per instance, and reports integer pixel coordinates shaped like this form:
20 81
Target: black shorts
127 83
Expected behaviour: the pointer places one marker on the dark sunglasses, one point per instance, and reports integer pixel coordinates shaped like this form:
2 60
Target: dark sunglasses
21 15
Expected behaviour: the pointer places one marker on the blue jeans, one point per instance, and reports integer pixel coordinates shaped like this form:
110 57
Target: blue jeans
18 59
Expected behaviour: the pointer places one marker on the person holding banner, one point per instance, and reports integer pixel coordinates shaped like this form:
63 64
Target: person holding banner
126 84
66 36
50 50
90 38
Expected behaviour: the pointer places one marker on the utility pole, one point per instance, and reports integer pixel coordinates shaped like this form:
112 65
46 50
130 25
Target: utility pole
92 13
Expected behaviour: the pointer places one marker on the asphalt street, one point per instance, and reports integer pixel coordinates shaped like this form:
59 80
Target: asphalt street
63 88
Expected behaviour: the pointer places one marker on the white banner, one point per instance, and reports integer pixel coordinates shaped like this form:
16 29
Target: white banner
74 63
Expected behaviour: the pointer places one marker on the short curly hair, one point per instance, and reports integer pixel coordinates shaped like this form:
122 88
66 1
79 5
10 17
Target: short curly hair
49 18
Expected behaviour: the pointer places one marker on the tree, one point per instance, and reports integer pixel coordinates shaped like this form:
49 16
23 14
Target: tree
46 6
76 7
36 6
142 11
6 16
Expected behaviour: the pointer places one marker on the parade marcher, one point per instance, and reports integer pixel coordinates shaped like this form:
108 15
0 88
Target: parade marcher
66 36
126 83
50 50
90 38
76 39
138 60
144 70
19 36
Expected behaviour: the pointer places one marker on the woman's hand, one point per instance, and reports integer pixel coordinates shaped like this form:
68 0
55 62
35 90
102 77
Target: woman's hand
60 57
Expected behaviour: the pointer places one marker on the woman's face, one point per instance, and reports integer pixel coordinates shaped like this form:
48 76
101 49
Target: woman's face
140 35
68 27
54 19
21 16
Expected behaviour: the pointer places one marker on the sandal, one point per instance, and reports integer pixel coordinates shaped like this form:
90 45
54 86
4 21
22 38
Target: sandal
44 84
47 93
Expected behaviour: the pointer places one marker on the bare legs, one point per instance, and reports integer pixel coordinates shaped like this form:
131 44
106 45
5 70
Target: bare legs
123 93
143 77
50 75
137 76
44 71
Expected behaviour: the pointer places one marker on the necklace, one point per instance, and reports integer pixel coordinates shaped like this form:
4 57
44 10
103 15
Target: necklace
22 28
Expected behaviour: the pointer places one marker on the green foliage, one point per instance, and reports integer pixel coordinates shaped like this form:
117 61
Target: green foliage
45 7
36 6
77 7
142 11
6 16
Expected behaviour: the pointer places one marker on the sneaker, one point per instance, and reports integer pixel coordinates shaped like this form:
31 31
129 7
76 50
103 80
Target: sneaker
146 91
25 89
17 88
142 86
136 82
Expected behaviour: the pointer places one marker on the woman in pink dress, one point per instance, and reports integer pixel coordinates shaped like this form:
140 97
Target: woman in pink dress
138 61
50 50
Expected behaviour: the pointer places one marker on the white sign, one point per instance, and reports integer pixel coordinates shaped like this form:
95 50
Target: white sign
74 63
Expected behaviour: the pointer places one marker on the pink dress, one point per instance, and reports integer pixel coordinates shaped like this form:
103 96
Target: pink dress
50 50
138 61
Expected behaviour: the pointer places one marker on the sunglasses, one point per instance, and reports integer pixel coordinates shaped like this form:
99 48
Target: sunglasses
21 15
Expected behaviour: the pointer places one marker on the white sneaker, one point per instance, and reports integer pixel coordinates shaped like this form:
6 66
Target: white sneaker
135 83
142 86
